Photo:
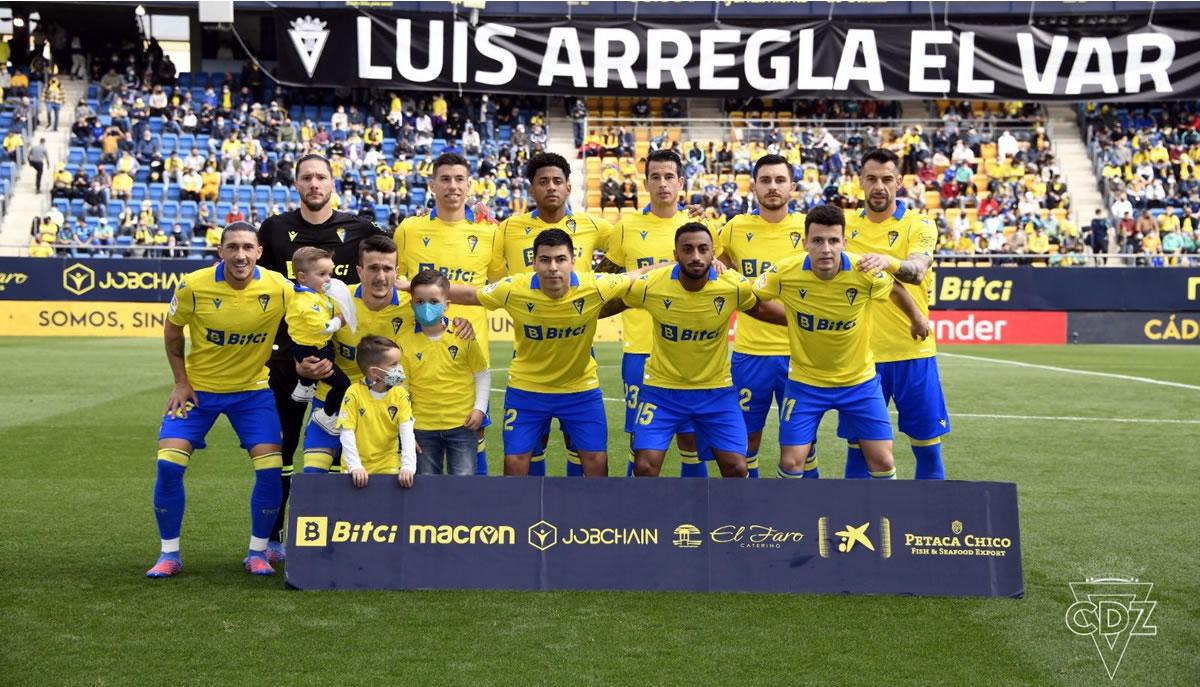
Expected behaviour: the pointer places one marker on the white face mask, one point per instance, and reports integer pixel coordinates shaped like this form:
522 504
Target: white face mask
392 376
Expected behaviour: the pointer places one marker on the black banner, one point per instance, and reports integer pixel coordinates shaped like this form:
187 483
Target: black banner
1133 328
830 537
793 57
1142 289
143 280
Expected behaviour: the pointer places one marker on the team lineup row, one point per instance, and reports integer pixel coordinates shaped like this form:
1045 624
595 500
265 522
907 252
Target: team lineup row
816 320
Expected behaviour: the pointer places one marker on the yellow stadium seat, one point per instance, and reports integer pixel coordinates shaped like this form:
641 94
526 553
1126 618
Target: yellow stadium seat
933 201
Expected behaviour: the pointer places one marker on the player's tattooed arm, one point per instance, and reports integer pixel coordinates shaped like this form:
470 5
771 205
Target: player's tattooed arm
609 266
910 271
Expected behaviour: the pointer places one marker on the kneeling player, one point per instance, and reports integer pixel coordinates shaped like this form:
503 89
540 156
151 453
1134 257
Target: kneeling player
832 367
376 412
232 311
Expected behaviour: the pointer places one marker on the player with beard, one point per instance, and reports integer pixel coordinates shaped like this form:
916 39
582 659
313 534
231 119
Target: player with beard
751 243
314 223
891 237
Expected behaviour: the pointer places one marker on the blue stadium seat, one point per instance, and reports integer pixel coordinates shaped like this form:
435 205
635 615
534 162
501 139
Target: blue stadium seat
245 196
141 176
262 196
63 205
172 191
93 157
139 192
170 143
225 195
124 241
76 156
184 80
187 209
186 142
222 210
170 210
76 207
381 214
157 193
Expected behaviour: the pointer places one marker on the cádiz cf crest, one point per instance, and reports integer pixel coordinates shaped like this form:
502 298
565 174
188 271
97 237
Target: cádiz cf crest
264 301
851 294
892 236
397 323
571 225
453 352
341 232
719 304
795 237
578 303
392 410
472 241
308 36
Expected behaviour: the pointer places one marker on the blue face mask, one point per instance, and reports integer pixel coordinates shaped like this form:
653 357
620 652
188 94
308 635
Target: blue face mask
429 314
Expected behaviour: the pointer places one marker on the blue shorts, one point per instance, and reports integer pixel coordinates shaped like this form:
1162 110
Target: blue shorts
663 413
633 372
759 379
916 388
861 408
527 414
252 414
316 439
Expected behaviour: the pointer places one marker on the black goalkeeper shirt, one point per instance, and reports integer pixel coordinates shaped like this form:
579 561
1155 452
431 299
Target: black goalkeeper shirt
280 235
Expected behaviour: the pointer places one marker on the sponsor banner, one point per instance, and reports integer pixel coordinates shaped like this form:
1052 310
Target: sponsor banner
500 327
1134 328
831 537
1066 288
911 58
93 279
81 318
998 327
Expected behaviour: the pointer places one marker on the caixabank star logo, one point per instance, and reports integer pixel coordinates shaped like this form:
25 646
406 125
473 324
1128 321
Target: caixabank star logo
855 538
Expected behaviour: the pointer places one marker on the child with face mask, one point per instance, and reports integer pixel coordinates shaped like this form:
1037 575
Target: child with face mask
449 380
374 413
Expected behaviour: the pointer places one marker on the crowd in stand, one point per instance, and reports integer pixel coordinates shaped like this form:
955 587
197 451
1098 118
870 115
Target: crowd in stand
159 159
1148 158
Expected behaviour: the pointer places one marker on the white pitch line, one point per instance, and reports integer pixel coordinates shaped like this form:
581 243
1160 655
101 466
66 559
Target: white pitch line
996 416
1092 373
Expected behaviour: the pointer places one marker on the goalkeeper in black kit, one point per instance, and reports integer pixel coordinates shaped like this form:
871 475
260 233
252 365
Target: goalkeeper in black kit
314 223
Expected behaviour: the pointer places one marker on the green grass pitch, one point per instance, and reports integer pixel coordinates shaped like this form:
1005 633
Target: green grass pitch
1112 494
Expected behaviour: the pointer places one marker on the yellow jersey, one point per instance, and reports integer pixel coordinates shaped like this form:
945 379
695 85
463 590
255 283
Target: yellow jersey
388 322
641 239
308 313
904 233
690 330
466 252
752 245
441 377
553 336
375 418
232 330
828 320
588 234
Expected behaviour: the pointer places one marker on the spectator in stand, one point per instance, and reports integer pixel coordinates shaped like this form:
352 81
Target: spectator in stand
628 195
60 183
146 147
210 187
41 248
179 241
103 238
95 200
38 157
234 215
610 192
1097 234
55 98
122 186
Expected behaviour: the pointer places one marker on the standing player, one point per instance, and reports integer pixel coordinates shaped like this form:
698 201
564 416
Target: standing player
381 310
750 244
314 223
549 177
687 378
449 241
640 239
553 373
231 311
830 307
900 241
